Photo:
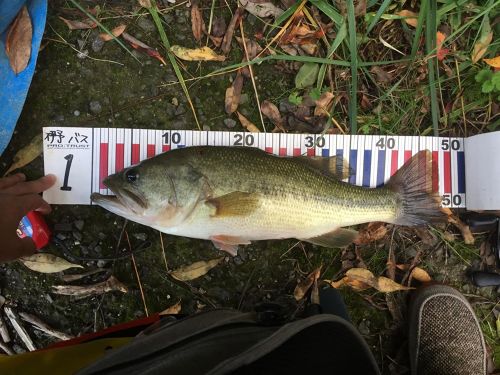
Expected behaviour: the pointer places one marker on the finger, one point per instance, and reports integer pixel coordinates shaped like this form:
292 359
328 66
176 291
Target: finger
9 181
30 187
33 202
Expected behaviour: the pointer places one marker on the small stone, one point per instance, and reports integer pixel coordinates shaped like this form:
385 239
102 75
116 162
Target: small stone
63 227
180 110
243 98
17 349
230 123
101 263
364 328
95 107
76 113
97 44
101 236
146 24
77 236
79 224
60 236
140 236
175 101
168 18
206 128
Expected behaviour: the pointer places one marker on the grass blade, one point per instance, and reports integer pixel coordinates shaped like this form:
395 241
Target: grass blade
105 29
430 44
328 10
418 30
156 18
341 34
353 102
379 13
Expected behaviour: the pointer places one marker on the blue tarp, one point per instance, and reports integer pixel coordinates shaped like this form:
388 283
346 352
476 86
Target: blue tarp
13 89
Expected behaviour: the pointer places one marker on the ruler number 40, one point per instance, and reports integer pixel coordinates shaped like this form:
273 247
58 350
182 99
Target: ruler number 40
382 143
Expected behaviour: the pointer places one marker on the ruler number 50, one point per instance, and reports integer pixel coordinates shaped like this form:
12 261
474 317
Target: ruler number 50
446 144
390 143
447 199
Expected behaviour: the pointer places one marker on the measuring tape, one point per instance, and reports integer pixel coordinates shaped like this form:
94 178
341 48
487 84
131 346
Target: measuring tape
82 157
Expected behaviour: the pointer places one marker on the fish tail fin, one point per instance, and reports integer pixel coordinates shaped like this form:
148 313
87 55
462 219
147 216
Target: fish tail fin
412 183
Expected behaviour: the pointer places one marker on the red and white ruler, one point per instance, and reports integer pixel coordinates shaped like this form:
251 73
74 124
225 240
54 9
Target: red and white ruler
82 157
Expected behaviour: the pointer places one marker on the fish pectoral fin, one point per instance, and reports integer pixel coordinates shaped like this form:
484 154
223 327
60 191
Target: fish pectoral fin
334 165
237 203
338 238
228 244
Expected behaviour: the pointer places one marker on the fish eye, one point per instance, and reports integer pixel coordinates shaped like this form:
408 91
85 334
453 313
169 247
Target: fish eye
132 175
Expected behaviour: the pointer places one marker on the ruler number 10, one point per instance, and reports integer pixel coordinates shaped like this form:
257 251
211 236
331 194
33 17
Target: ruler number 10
382 143
176 138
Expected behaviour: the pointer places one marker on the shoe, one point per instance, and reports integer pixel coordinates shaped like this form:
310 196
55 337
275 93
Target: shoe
445 336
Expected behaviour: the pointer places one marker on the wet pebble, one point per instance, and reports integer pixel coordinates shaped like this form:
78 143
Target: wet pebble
181 109
140 236
97 44
230 123
101 235
60 236
77 236
95 107
168 18
364 327
76 113
146 24
206 127
79 224
101 263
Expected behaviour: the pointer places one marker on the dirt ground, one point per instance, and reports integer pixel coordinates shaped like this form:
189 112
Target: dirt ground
111 89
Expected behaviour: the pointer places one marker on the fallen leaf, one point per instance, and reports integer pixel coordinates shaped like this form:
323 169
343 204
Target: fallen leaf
18 41
484 41
110 285
494 62
324 104
309 48
374 231
269 110
140 46
360 8
306 76
79 276
299 33
411 18
228 37
303 287
195 270
197 23
27 154
416 273
261 9
381 76
219 26
362 275
196 54
233 94
464 228
47 263
145 3
335 284
79 25
386 285
441 52
117 31
247 124
253 48
172 310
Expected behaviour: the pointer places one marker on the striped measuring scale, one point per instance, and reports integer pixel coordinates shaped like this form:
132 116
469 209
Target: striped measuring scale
82 157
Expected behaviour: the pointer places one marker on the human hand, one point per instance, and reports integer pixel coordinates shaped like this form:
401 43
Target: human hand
17 198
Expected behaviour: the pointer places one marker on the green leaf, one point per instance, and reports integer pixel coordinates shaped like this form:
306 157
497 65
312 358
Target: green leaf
483 75
487 87
295 98
496 80
315 93
306 76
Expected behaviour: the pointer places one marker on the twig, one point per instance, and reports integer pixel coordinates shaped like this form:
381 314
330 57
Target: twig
163 249
137 275
20 330
6 348
44 327
251 75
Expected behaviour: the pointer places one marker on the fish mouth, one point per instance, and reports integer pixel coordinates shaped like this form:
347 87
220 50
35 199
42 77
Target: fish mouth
124 202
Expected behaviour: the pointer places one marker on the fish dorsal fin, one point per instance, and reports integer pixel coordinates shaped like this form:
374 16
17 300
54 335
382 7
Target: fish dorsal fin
333 165
237 203
340 237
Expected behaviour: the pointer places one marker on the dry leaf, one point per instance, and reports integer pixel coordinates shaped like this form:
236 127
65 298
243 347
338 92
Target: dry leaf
79 276
441 52
79 25
47 263
372 232
195 270
253 48
228 37
145 3
27 154
172 310
233 94
247 124
494 62
324 104
360 8
381 76
218 27
386 285
196 54
18 41
464 228
416 273
261 9
481 46
197 24
138 45
269 110
411 17
335 284
117 31
110 285
302 288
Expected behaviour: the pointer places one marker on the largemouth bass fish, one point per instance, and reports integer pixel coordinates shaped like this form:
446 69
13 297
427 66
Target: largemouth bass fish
233 196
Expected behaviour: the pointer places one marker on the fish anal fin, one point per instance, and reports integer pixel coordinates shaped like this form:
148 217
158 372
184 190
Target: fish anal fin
236 203
340 237
229 244
333 165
